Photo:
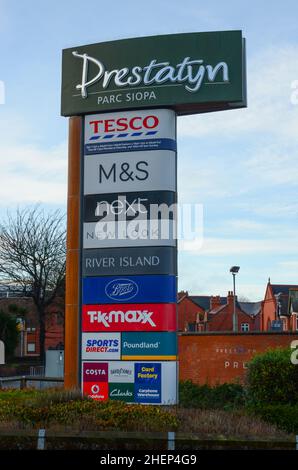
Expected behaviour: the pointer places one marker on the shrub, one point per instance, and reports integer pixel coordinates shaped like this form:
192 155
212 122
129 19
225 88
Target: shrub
272 378
223 396
69 408
284 417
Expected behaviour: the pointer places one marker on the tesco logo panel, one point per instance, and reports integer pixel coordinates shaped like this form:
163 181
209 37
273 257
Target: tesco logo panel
129 317
120 124
130 131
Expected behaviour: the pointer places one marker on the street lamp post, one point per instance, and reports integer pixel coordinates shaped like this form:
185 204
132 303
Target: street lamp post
234 270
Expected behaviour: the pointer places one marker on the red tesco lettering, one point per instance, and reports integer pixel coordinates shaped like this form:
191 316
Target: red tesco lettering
123 124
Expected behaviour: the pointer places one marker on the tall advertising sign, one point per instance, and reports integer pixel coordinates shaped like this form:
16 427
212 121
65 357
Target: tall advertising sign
127 95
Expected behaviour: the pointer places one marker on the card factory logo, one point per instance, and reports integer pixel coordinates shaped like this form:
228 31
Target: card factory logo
189 73
123 127
121 289
131 316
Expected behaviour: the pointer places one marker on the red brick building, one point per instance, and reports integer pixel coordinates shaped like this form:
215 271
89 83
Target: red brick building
215 313
280 308
220 317
29 327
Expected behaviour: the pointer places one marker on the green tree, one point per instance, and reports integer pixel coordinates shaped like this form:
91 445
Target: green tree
9 332
272 378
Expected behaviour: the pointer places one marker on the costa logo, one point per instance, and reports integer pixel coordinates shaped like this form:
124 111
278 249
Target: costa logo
121 289
122 124
95 371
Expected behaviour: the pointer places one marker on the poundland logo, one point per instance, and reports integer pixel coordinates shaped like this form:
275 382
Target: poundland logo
142 345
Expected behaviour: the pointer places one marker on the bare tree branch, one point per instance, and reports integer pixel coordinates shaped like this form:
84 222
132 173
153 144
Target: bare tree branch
33 254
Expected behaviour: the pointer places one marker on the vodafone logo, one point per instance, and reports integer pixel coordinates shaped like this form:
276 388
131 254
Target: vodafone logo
119 316
95 389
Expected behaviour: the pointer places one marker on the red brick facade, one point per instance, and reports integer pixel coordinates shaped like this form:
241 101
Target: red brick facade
189 312
214 314
221 318
276 307
218 358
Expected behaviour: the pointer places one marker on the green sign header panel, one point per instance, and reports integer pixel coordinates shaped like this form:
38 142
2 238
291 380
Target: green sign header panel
191 73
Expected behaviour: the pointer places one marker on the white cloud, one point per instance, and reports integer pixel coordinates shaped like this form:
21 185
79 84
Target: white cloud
31 174
232 246
244 225
269 74
269 209
290 264
275 165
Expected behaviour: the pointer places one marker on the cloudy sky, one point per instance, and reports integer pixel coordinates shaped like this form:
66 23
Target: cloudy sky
242 165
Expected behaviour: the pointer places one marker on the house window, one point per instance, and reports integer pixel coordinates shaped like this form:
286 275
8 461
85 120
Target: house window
31 347
297 322
244 326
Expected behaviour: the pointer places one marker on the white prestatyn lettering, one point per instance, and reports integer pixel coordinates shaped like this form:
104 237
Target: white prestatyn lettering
191 73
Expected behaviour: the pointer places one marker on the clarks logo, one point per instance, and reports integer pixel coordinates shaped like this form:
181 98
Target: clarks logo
131 316
121 289
120 393
191 73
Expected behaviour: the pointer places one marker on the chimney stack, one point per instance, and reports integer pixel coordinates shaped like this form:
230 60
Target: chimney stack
230 298
215 302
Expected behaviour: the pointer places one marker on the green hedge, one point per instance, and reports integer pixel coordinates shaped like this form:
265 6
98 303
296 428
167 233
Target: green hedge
284 417
272 378
225 396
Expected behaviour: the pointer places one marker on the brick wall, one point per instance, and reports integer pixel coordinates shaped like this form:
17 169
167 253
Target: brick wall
187 313
217 358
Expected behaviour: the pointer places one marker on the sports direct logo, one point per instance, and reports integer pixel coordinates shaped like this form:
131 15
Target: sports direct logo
124 127
129 317
102 345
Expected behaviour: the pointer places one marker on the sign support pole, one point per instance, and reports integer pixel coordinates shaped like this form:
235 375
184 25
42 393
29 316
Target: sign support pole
71 373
